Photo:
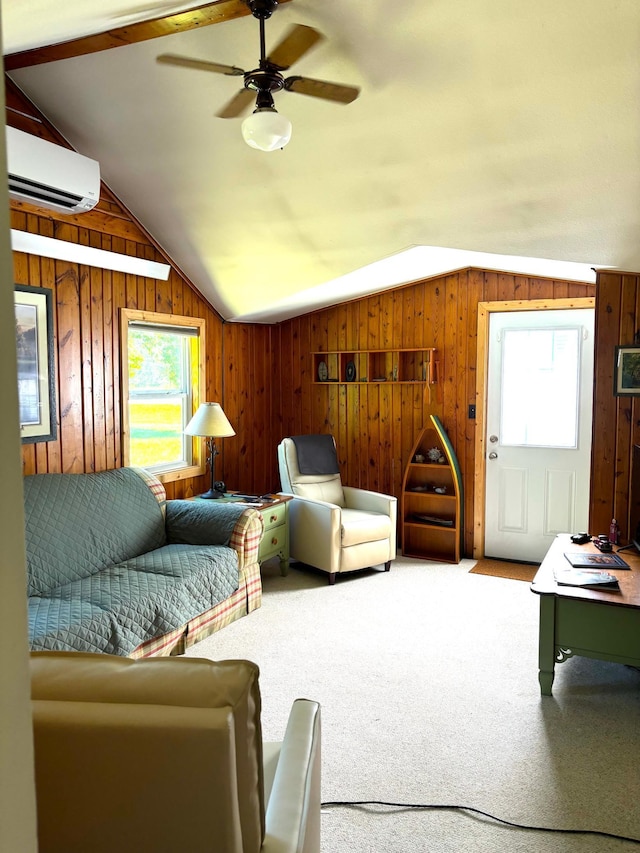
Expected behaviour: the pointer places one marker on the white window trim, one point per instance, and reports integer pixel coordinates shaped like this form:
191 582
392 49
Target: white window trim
128 316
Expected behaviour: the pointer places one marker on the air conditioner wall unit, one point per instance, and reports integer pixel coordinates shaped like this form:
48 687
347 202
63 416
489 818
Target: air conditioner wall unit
49 175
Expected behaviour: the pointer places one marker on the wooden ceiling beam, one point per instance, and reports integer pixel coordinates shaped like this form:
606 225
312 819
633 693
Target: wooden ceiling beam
201 16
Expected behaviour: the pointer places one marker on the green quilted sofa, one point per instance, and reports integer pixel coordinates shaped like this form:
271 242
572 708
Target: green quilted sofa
114 567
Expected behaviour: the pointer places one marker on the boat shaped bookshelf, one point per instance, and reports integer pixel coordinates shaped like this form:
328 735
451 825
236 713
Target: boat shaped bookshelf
432 504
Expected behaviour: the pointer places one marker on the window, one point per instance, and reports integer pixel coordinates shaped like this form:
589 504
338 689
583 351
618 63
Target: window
162 374
540 387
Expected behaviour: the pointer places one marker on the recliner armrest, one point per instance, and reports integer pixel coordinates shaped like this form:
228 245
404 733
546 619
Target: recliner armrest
370 501
315 532
375 502
292 819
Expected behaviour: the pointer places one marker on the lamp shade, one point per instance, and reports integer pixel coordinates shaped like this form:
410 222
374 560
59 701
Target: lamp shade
266 129
211 421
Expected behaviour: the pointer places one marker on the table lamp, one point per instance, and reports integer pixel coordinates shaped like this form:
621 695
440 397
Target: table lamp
210 422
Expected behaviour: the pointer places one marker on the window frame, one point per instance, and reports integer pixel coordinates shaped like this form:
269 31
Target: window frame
129 316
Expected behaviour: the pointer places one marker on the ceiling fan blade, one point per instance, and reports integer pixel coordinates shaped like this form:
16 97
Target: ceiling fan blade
322 89
295 44
200 64
238 104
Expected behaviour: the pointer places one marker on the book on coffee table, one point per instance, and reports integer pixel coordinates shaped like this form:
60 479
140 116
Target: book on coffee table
593 578
586 560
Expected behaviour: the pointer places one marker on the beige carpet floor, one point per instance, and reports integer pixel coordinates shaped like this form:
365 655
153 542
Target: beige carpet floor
427 677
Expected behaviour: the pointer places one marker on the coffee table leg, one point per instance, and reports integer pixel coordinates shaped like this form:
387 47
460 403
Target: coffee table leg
546 647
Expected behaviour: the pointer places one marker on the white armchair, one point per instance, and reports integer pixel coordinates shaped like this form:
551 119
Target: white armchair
166 754
333 527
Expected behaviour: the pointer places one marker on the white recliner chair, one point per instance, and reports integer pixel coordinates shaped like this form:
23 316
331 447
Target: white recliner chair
333 527
166 754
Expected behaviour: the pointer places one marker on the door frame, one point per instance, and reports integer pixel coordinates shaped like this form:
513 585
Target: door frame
485 309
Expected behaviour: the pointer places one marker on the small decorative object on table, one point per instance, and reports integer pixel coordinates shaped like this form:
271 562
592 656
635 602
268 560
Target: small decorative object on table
602 543
614 532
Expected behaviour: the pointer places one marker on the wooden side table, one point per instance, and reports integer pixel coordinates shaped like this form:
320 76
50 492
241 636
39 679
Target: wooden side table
275 515
275 541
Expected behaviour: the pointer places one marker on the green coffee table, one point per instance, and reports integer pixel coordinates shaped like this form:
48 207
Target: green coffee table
604 625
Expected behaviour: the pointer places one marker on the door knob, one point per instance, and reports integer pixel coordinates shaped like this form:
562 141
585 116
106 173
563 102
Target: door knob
493 455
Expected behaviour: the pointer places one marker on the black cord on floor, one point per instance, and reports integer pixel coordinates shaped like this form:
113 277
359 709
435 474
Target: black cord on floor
425 806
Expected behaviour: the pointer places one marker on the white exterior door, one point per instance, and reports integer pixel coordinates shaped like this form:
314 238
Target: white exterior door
538 441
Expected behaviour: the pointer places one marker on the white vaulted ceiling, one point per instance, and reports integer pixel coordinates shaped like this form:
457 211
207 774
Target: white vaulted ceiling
487 133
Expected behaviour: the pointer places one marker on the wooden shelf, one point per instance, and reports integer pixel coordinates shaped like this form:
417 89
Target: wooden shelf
359 367
432 490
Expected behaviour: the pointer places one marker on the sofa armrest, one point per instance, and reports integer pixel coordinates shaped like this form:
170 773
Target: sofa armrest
214 523
292 819
246 536
315 532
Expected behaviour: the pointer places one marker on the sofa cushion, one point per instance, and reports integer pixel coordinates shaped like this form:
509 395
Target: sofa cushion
65 622
117 609
77 525
175 683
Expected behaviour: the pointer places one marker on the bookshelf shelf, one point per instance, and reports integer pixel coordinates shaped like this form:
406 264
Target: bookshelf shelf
432 498
359 367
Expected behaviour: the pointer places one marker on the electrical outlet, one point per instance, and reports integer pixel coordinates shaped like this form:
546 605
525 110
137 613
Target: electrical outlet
472 413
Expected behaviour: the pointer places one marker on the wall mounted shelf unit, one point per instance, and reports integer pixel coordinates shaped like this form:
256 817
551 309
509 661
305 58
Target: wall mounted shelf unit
371 366
432 501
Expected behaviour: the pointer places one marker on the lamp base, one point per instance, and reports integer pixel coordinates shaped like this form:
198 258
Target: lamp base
212 494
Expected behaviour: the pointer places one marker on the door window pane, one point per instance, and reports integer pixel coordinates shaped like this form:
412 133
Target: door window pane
540 375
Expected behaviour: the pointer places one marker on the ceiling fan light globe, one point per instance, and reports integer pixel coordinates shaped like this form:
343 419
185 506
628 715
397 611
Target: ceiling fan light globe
266 130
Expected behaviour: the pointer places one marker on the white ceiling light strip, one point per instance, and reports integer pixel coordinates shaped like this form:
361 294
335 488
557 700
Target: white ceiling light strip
61 250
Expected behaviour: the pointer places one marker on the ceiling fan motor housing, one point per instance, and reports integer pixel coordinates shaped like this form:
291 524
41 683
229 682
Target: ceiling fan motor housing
263 80
262 9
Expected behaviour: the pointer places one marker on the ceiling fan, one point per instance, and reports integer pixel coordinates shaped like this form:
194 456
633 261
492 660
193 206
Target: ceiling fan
265 128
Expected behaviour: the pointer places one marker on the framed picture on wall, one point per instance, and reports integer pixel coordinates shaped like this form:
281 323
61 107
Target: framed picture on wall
36 378
627 372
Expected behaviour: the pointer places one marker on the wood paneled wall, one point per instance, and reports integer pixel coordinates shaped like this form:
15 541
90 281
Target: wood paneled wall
263 374
86 302
376 425
240 358
250 402
616 424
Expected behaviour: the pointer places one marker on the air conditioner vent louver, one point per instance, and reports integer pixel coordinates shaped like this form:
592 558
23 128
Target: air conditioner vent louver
39 191
49 175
